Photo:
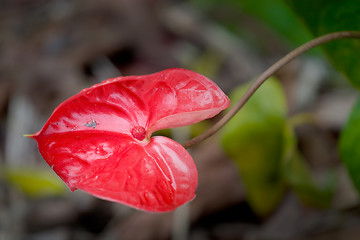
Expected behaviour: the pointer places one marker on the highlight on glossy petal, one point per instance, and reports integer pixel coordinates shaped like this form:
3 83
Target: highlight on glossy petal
100 140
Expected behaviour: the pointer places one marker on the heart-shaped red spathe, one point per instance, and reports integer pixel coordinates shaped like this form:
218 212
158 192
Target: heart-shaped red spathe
100 139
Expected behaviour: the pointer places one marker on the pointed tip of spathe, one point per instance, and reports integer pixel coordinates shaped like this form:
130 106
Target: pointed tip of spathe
32 136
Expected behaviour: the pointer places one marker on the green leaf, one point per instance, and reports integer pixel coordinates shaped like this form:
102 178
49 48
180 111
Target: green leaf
34 182
254 140
350 145
325 16
277 15
274 14
300 179
298 174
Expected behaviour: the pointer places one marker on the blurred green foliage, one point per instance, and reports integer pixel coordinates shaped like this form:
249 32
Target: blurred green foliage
299 177
350 145
34 182
254 140
325 16
261 140
275 14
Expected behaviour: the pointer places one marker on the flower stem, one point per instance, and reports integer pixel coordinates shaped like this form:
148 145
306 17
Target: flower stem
265 75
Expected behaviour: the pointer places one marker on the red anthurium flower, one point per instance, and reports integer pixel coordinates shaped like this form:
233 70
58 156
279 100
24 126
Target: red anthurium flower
100 139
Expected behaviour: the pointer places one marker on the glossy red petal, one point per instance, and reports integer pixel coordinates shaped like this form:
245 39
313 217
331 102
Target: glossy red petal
179 97
158 177
103 107
99 140
167 99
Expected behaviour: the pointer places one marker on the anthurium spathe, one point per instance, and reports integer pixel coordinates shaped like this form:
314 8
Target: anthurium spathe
100 139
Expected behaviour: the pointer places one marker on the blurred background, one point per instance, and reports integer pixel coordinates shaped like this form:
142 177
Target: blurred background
51 49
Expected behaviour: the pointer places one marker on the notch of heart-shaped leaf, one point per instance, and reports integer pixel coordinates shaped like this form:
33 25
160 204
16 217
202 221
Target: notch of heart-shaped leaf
100 139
